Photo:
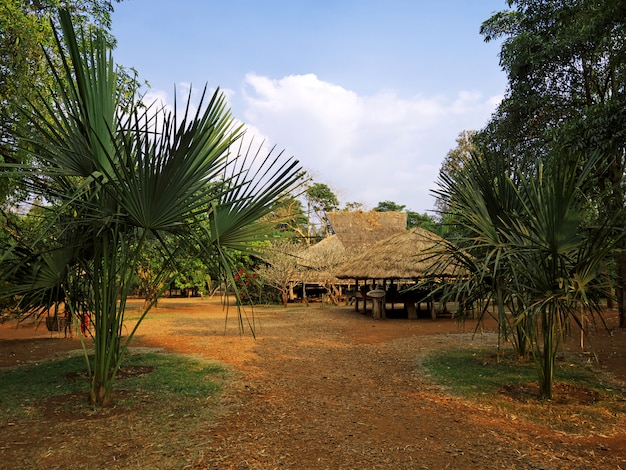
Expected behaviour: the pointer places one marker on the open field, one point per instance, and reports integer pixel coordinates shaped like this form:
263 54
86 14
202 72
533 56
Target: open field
318 388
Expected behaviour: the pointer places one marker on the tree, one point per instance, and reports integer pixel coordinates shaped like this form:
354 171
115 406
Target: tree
455 161
290 216
525 241
26 34
413 219
281 267
566 67
388 206
320 199
111 178
480 201
353 206
425 221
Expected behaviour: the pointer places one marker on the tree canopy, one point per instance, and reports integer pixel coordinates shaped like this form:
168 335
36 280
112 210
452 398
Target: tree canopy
26 43
566 68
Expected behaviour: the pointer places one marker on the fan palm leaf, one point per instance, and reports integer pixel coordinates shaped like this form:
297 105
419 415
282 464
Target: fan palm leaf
114 179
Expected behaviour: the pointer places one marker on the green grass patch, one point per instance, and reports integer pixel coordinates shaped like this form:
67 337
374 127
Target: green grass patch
583 400
181 381
174 376
21 386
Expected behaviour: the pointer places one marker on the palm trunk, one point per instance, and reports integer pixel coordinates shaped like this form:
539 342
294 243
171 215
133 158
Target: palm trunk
548 355
104 309
521 330
620 289
502 327
112 264
615 205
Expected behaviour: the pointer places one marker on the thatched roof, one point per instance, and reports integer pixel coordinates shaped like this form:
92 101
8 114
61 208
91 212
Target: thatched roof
329 251
402 256
358 230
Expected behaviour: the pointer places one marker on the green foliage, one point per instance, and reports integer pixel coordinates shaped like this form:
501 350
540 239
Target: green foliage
322 198
455 161
566 67
290 217
116 178
425 221
537 212
524 241
26 37
389 206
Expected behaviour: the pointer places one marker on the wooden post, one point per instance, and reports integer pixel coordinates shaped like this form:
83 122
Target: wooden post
411 310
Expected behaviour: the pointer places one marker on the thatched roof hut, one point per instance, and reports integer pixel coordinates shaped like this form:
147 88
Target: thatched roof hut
353 233
329 251
407 255
358 230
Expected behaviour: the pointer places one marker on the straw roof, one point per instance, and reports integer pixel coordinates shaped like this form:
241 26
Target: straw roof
329 251
354 232
402 256
358 230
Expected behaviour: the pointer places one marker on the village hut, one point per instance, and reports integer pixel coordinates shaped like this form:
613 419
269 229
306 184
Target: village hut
359 230
403 256
352 233
401 259
330 250
317 264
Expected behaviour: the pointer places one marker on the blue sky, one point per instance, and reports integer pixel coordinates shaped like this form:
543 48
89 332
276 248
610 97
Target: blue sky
369 95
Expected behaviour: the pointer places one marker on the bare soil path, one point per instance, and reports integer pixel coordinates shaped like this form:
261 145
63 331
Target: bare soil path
329 388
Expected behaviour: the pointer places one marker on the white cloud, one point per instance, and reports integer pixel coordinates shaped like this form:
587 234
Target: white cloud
366 148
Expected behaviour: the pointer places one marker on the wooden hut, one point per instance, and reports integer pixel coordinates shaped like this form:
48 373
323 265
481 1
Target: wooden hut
403 258
359 230
352 233
317 265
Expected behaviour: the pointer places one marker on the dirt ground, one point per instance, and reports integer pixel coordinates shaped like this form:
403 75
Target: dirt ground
329 388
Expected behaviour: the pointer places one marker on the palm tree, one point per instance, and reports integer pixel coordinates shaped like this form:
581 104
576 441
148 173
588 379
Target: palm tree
559 256
480 202
526 240
113 180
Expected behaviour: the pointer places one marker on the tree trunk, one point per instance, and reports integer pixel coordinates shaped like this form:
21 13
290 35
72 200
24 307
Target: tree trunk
620 289
101 393
615 205
548 358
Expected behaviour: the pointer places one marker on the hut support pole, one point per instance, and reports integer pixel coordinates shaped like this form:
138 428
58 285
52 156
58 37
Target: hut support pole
411 310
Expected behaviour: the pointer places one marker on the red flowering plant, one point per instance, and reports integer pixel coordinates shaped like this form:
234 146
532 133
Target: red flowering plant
252 289
246 282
